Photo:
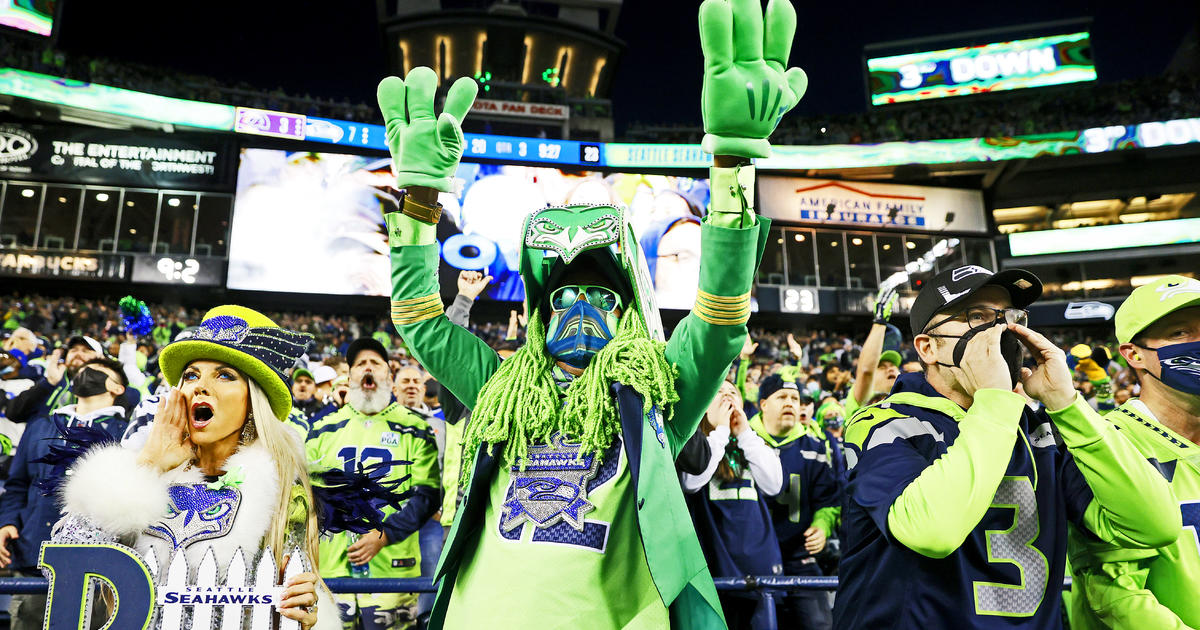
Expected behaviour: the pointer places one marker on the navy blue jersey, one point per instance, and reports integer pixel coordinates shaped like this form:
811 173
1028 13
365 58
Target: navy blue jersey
1008 573
809 484
735 529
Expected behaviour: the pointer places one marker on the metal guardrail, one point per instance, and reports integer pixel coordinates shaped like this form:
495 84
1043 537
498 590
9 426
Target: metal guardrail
768 588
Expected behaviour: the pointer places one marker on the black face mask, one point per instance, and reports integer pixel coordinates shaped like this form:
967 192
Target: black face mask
1011 349
89 382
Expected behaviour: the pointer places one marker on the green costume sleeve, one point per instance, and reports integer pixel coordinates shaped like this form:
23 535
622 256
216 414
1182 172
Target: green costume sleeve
938 510
1117 595
1111 465
711 336
455 357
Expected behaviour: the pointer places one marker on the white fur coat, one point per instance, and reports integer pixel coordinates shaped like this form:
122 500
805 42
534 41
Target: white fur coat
110 490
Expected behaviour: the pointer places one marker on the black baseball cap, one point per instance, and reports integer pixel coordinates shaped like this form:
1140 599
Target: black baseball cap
365 343
954 286
774 383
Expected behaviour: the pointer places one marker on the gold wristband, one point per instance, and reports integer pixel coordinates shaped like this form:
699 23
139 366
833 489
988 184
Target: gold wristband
420 211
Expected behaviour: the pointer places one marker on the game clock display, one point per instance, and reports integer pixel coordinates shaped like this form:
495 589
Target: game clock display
184 270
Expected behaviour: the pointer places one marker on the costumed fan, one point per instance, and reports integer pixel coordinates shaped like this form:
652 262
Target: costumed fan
569 458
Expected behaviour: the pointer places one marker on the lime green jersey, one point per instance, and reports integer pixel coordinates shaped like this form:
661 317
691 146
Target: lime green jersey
573 523
1156 588
347 438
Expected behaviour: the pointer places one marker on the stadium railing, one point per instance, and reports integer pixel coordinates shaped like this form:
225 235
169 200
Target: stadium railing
768 588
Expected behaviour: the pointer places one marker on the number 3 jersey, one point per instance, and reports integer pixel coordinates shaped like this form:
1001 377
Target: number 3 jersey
1008 573
346 439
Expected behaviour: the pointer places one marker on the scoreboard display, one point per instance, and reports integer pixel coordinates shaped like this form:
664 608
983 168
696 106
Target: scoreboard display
1011 65
478 145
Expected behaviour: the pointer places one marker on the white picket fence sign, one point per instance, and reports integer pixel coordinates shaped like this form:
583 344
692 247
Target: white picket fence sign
203 595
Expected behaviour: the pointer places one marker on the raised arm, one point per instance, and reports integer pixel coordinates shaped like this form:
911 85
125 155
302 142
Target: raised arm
745 53
425 152
872 348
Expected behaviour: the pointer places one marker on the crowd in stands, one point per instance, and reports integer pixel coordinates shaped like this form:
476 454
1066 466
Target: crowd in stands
1028 112
788 390
1025 112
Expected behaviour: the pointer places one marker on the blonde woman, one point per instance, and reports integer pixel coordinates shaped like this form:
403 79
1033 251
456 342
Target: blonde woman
219 470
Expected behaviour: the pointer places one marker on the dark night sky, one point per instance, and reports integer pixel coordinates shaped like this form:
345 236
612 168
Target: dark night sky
335 49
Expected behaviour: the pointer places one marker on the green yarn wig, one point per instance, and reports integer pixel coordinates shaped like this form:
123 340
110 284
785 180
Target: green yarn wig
521 403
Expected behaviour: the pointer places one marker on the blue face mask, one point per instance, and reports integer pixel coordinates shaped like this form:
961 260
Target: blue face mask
1180 366
578 333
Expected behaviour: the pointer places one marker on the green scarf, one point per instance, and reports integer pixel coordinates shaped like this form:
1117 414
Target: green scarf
522 405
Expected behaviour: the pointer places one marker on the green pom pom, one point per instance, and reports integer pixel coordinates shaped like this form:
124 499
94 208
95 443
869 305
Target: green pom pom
132 306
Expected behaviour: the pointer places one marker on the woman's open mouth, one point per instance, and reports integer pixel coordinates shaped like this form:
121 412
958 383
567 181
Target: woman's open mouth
202 414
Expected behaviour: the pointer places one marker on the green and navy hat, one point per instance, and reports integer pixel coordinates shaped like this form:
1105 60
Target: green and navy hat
599 236
246 340
1151 302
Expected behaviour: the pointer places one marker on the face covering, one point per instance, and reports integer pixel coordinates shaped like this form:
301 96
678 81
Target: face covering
1010 348
1180 366
575 335
89 383
835 422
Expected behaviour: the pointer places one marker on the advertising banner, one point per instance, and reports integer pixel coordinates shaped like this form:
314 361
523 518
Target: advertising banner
1103 237
117 101
1024 63
31 17
541 111
88 155
871 205
30 263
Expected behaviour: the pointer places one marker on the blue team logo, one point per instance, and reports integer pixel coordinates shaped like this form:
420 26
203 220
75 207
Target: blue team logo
552 488
197 512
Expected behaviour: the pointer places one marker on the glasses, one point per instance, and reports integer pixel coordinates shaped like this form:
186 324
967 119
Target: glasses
977 317
602 298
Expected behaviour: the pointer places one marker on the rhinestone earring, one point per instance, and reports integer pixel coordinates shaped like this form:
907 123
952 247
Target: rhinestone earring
249 432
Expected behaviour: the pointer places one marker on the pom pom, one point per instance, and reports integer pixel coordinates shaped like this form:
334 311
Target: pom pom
72 443
353 502
135 315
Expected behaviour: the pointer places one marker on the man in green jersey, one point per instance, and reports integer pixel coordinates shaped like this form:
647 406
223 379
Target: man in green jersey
572 514
373 429
1158 328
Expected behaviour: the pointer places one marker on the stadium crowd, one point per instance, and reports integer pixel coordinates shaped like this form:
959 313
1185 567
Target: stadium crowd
1067 109
790 391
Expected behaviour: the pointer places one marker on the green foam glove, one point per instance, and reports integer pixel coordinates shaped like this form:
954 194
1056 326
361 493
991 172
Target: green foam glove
425 149
746 88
